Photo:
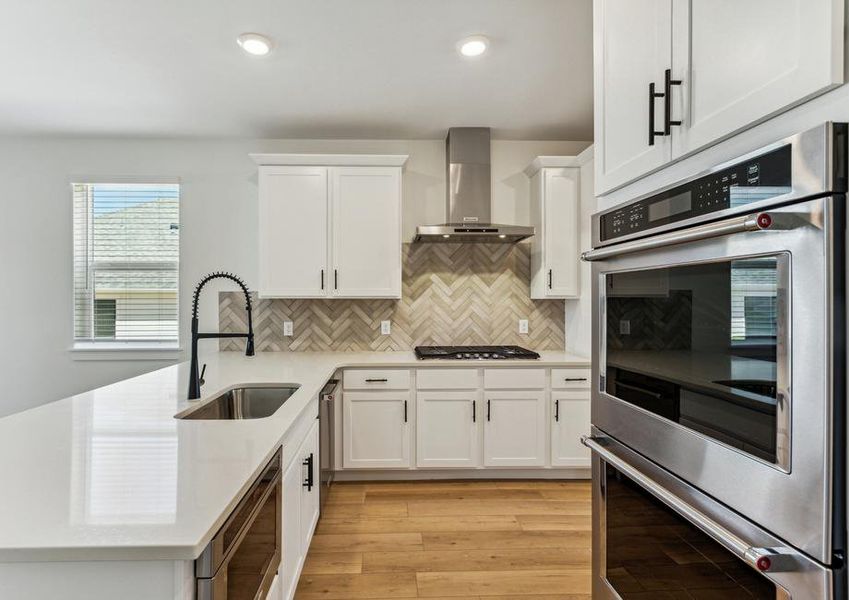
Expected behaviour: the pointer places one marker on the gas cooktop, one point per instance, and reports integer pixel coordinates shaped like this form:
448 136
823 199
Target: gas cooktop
474 352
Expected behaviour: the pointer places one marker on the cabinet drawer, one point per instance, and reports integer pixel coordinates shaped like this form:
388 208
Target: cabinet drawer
376 379
447 379
514 379
570 379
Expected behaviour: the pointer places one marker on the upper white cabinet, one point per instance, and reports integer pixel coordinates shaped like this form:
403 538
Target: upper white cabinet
366 232
632 47
329 226
555 200
293 230
673 76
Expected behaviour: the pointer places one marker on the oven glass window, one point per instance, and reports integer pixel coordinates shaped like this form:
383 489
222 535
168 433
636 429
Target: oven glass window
653 553
701 345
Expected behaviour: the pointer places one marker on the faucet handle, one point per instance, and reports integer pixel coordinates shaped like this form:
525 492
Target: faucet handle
202 371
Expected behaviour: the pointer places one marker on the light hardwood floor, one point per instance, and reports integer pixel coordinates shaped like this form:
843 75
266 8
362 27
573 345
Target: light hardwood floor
499 540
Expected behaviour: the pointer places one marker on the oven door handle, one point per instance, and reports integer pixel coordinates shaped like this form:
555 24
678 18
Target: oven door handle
753 222
762 559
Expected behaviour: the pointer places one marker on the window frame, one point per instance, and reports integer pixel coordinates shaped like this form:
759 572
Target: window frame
92 349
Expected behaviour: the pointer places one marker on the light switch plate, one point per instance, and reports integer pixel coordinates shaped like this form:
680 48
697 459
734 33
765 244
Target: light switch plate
385 327
288 329
523 326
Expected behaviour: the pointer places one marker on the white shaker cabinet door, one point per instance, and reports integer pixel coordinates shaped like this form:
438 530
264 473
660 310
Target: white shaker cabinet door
570 421
742 62
447 426
366 232
561 232
293 553
293 231
376 430
633 48
514 429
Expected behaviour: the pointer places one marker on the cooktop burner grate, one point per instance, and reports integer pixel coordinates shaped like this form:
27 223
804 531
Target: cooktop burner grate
475 352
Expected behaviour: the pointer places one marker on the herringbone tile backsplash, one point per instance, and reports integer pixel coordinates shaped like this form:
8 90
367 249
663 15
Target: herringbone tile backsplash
453 294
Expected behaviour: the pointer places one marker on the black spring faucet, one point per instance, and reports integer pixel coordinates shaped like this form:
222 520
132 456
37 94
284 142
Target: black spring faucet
194 377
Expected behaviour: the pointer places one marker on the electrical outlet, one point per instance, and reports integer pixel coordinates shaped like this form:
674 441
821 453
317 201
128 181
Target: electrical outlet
523 326
625 327
288 329
385 327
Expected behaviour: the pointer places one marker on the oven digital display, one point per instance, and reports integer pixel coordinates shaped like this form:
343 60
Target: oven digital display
671 206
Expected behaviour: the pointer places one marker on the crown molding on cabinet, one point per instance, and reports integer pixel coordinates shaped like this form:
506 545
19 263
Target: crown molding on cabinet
542 162
331 160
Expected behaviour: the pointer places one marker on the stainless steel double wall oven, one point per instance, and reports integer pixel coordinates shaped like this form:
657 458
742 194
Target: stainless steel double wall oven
718 403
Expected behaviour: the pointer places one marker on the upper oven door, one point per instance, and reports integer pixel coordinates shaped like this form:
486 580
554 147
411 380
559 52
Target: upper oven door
714 359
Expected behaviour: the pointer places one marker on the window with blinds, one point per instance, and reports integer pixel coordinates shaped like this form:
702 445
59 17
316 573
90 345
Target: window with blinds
754 288
126 263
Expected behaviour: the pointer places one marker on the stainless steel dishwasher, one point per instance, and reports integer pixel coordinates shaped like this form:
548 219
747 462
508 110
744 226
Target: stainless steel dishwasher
243 557
326 428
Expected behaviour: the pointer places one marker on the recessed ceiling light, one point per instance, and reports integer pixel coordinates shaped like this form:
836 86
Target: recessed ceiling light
254 43
474 45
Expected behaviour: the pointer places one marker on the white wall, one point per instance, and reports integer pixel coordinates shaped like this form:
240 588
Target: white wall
218 213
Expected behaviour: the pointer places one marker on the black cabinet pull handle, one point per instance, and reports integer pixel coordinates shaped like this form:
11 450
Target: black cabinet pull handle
668 82
335 279
474 411
309 464
405 411
549 279
488 411
575 379
557 410
652 131
377 380
322 279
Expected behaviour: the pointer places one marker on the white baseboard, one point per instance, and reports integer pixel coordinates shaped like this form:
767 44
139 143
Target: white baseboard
435 474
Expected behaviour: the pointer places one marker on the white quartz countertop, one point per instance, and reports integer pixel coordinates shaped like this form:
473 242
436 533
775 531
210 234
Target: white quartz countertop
110 474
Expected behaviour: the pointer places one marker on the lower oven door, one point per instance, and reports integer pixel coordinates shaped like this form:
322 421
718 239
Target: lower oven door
718 358
657 538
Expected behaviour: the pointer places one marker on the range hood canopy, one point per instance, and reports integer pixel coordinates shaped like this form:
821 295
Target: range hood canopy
468 198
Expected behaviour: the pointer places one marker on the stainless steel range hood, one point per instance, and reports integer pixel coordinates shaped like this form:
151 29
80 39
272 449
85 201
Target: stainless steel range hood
468 194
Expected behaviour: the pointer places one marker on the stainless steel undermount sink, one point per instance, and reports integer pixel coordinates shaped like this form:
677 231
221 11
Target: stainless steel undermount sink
250 402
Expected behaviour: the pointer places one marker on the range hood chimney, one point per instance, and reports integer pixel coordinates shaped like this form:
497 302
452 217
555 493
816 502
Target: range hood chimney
469 209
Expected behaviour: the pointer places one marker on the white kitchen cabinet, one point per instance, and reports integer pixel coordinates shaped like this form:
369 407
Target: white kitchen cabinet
366 227
555 198
632 47
742 62
719 66
514 428
376 429
309 504
293 231
293 553
329 230
570 421
447 429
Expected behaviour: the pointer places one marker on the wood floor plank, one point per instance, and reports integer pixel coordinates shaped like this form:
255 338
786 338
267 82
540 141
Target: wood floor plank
419 524
503 583
499 507
366 542
350 587
493 540
543 484
555 522
504 559
567 493
329 563
456 493
374 509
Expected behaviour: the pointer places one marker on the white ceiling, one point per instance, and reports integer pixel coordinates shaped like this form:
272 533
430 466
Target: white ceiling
341 68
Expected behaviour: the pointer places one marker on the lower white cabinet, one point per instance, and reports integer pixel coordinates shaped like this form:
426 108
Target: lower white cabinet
570 421
300 512
514 429
376 430
447 429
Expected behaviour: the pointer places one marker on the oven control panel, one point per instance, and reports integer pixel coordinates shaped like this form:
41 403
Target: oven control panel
753 180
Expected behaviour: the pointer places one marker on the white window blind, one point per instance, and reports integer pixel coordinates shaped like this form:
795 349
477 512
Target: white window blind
754 288
126 262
